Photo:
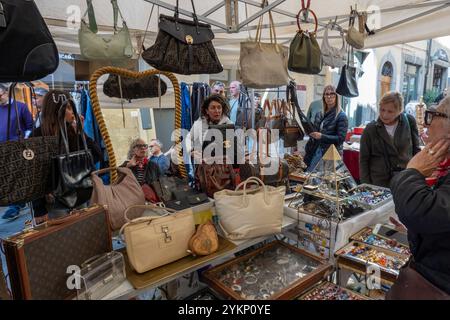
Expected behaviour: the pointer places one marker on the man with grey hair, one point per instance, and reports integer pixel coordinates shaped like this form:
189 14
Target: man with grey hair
218 88
157 156
235 91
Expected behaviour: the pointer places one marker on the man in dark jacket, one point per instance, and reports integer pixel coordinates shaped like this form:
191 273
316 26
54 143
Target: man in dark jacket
388 143
425 209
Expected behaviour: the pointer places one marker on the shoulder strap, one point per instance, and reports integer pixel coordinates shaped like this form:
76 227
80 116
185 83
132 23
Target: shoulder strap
91 13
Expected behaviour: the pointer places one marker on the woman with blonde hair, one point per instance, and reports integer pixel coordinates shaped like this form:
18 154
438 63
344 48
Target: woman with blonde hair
388 143
331 125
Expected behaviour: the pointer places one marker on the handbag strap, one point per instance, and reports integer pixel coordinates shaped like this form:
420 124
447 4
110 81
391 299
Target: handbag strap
92 20
306 9
11 97
244 184
145 206
194 15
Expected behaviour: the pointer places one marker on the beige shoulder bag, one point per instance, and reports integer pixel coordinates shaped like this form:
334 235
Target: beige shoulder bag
154 241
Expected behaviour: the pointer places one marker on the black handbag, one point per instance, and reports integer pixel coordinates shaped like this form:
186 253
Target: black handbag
183 46
72 184
127 88
25 163
28 50
348 82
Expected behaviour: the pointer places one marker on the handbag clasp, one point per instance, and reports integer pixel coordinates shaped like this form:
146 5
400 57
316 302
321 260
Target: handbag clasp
189 39
167 237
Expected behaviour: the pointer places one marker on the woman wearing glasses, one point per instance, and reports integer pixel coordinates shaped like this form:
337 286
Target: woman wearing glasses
422 201
388 143
332 125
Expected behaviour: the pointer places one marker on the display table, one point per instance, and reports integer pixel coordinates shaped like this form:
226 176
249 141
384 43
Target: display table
342 231
174 270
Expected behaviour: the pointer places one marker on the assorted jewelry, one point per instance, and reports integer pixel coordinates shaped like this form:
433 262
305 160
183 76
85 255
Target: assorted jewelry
270 271
351 208
371 196
368 237
369 255
330 291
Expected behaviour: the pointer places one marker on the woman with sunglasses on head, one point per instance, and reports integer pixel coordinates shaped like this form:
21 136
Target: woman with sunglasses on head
331 125
388 143
144 170
422 201
53 101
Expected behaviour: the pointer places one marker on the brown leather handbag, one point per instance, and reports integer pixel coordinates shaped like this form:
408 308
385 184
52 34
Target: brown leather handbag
205 240
118 196
210 178
292 131
411 285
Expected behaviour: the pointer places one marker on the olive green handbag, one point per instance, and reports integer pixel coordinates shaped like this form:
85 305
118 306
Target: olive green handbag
93 46
304 51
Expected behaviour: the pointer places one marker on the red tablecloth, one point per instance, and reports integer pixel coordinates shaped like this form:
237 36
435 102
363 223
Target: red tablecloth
351 160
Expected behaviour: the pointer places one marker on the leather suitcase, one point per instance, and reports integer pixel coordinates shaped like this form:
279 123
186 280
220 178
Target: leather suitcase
38 259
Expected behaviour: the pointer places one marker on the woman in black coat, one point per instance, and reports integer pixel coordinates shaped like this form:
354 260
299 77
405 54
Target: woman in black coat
423 206
331 125
388 143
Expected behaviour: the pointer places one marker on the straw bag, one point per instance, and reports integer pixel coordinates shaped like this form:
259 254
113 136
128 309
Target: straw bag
250 213
157 240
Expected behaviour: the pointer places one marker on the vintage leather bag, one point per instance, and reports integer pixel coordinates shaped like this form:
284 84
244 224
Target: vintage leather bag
355 37
292 130
154 241
118 196
291 96
38 259
26 163
28 50
71 172
274 117
348 81
250 213
304 51
183 46
210 178
205 240
93 46
331 56
272 56
127 88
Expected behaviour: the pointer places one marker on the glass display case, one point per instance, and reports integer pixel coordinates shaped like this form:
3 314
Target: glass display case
275 271
330 291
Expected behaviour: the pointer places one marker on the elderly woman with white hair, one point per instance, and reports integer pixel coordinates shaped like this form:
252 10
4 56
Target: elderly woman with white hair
422 201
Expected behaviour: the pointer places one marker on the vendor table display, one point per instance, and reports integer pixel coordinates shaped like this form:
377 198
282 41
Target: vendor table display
330 291
275 271
366 236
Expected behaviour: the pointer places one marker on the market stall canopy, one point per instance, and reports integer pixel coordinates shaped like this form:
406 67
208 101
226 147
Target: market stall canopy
399 21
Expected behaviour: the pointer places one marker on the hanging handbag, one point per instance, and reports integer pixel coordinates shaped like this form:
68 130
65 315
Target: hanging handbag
275 119
25 163
28 49
331 56
292 131
154 241
272 56
93 46
304 51
355 38
127 88
291 96
205 240
348 82
250 213
118 196
183 46
71 172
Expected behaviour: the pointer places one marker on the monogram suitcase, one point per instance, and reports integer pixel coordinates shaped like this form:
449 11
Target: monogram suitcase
43 261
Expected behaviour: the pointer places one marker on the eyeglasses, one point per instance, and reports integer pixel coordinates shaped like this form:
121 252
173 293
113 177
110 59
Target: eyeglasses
140 146
329 94
429 115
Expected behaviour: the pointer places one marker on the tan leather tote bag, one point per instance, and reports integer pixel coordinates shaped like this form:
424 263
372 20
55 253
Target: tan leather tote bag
119 196
154 241
250 213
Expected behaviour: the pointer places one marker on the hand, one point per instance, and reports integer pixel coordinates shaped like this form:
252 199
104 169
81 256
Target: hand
427 160
132 163
398 226
316 135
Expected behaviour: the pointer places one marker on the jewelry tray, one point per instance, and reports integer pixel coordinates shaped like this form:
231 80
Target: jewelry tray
277 271
330 291
365 236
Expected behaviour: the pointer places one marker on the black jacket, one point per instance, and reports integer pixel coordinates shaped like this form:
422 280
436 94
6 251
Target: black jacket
379 152
333 129
151 174
426 214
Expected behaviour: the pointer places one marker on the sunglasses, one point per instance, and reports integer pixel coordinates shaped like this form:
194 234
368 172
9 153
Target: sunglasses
140 146
429 115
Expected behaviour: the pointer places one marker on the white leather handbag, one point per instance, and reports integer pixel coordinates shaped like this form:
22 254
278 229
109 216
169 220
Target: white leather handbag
331 56
250 213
